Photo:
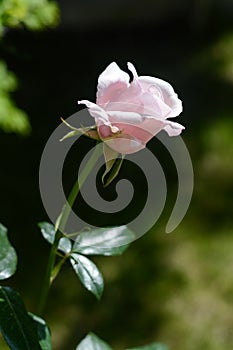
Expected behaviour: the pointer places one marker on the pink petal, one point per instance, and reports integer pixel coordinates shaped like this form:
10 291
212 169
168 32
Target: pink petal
154 106
173 129
134 99
125 117
143 132
96 111
111 83
132 70
152 127
125 144
170 97
128 100
104 131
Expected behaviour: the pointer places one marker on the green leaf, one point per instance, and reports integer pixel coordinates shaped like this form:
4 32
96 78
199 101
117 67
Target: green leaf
88 274
15 324
43 332
12 119
154 346
8 257
92 342
48 232
113 165
104 241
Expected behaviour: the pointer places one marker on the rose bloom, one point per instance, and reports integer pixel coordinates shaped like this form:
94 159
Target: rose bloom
128 114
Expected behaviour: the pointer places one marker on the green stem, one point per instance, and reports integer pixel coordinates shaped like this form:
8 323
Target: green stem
58 267
63 218
77 186
47 282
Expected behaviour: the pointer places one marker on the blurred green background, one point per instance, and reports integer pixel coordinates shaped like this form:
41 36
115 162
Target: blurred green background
177 288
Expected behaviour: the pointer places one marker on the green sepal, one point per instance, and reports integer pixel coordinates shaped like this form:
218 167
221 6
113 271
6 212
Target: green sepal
89 131
113 163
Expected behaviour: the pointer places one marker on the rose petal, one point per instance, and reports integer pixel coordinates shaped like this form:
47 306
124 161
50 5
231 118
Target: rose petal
125 144
143 132
128 100
96 111
111 83
170 97
132 70
134 99
125 117
154 106
173 129
104 131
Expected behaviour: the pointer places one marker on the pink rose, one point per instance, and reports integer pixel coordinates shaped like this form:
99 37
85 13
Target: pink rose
128 114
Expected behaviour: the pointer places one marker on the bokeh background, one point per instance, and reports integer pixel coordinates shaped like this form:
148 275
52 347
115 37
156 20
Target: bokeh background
177 288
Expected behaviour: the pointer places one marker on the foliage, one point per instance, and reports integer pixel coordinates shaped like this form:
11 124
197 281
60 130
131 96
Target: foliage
34 15
92 342
43 332
102 241
23 330
20 329
8 257
11 117
15 323
218 58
